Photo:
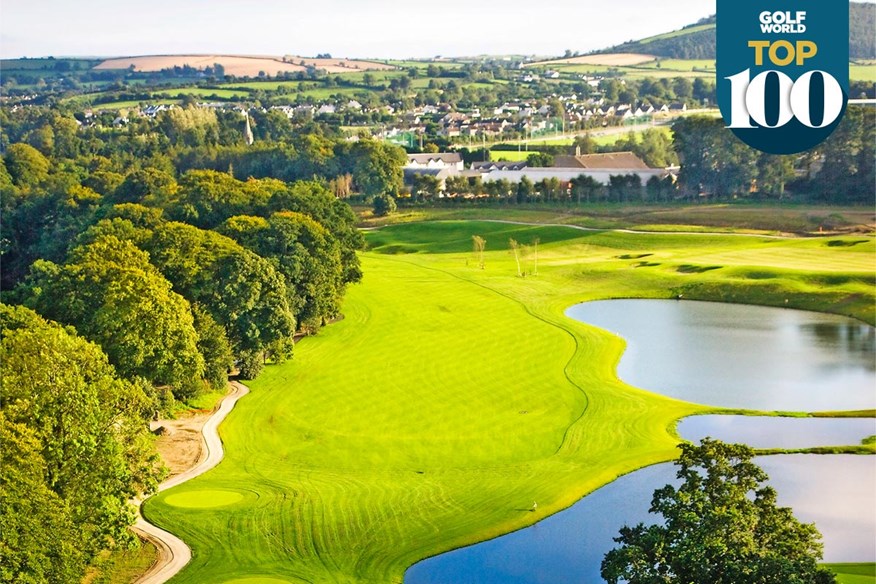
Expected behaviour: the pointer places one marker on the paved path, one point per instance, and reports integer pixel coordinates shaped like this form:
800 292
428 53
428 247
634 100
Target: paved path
174 554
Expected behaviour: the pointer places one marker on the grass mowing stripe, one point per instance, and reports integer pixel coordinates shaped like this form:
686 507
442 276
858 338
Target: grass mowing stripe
430 417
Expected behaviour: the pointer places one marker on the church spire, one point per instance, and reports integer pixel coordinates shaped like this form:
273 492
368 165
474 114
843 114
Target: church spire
247 133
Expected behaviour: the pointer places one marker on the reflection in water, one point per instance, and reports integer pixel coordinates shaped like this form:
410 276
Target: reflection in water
850 342
741 356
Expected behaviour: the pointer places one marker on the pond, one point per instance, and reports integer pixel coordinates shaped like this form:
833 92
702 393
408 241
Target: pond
724 355
741 356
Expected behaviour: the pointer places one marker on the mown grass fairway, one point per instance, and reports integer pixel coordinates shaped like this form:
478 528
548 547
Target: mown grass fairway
451 398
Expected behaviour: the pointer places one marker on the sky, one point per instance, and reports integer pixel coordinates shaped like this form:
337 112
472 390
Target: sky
343 28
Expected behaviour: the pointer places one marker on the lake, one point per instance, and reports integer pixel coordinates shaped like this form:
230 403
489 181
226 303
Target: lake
741 356
718 354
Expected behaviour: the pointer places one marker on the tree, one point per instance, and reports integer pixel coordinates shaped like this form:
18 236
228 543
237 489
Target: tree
305 253
479 243
113 296
148 186
38 541
584 144
376 166
515 249
384 205
214 347
26 165
721 526
315 201
242 291
713 160
69 423
540 159
525 190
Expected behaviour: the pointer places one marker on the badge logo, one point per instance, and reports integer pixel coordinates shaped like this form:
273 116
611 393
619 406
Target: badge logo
782 71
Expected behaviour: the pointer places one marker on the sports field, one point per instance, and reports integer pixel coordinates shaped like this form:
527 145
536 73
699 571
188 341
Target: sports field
450 397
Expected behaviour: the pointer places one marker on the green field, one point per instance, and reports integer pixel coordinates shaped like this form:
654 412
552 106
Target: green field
202 92
450 397
865 72
854 573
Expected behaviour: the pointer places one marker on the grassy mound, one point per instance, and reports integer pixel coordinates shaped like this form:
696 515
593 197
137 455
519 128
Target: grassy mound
451 397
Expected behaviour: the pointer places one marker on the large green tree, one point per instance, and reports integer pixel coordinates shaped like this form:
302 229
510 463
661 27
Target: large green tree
26 165
113 296
307 256
722 525
713 161
240 290
38 540
75 448
314 200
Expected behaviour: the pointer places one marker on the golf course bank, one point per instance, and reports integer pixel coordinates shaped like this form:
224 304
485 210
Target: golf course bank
456 402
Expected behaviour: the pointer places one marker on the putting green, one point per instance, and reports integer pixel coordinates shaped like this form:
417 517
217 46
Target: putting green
204 499
451 397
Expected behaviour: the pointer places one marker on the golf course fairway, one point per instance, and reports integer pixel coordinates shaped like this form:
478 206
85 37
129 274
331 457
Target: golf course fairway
452 398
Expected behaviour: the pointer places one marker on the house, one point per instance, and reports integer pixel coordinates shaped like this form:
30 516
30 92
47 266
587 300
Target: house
453 118
449 131
498 165
565 175
326 109
606 161
678 107
439 160
150 111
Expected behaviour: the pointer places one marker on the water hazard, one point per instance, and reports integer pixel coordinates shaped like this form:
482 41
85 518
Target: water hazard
724 355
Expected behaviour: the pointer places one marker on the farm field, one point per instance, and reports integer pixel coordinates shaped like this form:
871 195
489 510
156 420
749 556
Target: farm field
202 92
450 397
243 65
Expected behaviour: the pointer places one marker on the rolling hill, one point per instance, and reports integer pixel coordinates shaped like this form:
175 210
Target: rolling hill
697 41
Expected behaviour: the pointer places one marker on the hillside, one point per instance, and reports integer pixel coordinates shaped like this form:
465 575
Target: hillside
697 41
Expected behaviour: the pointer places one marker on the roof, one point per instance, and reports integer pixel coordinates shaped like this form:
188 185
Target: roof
498 165
439 173
608 160
445 157
602 176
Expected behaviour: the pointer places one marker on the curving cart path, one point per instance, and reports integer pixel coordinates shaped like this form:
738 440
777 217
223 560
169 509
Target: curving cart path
174 554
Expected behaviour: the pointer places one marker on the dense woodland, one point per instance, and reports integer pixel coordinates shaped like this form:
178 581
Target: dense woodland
130 282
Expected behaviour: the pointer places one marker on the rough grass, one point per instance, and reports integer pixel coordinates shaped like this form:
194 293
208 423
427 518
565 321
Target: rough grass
122 566
450 397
